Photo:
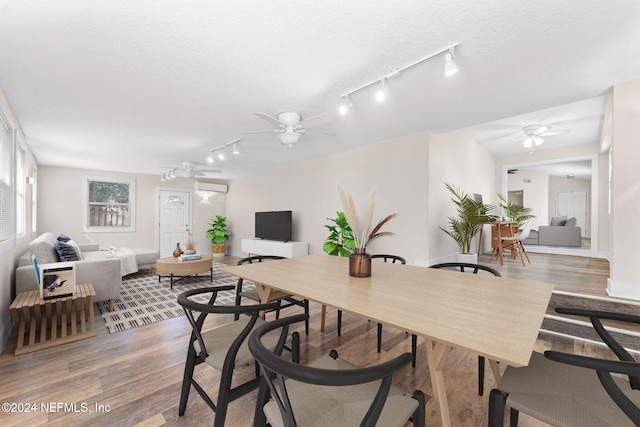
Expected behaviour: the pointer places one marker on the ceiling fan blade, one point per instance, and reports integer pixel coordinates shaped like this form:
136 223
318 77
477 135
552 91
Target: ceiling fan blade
263 131
326 132
313 118
271 119
555 132
208 171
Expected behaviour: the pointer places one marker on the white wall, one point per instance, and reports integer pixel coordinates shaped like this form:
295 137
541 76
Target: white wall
624 281
535 188
397 167
60 202
456 158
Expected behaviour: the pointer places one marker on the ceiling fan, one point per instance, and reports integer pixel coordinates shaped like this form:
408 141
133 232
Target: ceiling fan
189 170
290 126
533 134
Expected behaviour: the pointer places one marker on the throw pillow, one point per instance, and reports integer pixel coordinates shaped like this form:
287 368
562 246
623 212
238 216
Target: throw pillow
571 222
558 220
63 238
43 248
66 252
76 247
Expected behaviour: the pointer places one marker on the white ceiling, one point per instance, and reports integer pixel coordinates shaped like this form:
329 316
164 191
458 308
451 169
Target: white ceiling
131 85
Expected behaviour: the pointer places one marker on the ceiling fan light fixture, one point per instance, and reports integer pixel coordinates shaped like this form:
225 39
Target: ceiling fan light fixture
289 137
538 140
528 142
450 67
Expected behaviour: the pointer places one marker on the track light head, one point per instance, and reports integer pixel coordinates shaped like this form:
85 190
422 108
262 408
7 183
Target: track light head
345 105
450 67
382 93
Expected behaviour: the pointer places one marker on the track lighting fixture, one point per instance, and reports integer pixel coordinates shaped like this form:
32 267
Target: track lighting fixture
450 68
220 150
381 94
235 148
346 105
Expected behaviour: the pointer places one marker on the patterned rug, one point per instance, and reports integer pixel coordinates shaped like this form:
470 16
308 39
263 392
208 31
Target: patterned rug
144 300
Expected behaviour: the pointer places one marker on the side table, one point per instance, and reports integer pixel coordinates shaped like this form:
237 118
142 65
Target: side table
47 323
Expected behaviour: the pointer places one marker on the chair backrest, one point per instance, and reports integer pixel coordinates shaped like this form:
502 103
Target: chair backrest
462 266
275 369
525 230
259 258
190 306
390 258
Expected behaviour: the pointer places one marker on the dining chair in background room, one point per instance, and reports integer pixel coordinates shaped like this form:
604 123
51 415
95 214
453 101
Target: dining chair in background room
252 294
471 268
223 348
514 243
329 391
564 389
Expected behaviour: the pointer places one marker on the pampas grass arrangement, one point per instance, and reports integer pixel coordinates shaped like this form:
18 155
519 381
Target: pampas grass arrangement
363 235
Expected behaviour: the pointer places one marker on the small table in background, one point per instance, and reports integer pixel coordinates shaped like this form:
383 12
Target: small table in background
172 267
47 323
499 229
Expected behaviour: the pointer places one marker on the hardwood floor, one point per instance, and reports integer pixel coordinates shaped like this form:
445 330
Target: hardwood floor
132 378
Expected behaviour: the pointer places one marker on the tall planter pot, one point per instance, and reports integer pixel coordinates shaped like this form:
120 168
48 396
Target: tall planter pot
467 258
217 251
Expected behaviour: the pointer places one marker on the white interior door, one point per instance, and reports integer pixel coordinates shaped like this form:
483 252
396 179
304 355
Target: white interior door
175 220
574 204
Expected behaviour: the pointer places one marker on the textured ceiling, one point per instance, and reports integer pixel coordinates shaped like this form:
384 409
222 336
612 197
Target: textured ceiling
133 86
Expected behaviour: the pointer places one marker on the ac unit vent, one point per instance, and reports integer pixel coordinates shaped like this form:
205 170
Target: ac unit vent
207 186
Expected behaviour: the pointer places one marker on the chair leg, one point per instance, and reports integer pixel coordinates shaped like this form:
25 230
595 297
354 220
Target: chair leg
513 418
339 322
481 375
419 416
414 349
525 252
189 367
497 403
259 419
379 337
224 395
306 311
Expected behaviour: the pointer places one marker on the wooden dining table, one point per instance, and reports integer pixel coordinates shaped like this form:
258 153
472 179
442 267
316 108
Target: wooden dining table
494 317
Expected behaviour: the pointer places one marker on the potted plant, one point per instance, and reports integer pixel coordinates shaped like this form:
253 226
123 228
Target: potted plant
218 234
514 212
340 240
464 227
362 232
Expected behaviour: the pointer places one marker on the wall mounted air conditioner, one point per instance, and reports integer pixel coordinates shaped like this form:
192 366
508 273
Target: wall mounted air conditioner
206 186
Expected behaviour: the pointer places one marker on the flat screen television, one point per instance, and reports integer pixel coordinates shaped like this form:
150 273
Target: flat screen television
274 225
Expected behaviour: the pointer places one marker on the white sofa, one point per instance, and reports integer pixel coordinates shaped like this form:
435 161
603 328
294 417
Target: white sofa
98 267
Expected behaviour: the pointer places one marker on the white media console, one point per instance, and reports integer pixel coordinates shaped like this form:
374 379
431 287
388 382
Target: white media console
272 247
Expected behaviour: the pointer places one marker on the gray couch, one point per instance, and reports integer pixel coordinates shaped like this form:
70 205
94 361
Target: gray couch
560 232
98 267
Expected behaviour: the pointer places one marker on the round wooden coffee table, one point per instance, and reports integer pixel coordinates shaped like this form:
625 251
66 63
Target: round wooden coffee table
172 267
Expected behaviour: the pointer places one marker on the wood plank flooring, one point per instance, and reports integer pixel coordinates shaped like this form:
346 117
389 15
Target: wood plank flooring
132 378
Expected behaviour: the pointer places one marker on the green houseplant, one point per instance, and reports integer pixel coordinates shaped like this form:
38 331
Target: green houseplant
514 212
218 234
340 240
471 215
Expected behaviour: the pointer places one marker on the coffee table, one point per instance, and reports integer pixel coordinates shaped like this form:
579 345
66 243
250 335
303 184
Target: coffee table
172 267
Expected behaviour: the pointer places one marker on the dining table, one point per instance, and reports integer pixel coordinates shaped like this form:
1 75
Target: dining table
495 317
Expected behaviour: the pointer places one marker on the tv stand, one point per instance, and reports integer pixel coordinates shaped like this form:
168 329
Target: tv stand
271 247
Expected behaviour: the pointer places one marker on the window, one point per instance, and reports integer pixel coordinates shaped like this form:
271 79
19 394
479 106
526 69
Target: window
34 199
21 181
6 195
109 204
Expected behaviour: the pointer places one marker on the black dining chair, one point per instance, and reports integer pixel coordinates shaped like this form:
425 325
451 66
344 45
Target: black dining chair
329 391
564 389
223 348
252 294
471 268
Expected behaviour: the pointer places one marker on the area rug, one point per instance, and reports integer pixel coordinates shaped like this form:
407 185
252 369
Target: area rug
144 300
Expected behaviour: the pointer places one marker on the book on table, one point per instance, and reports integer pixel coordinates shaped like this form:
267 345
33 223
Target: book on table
189 257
